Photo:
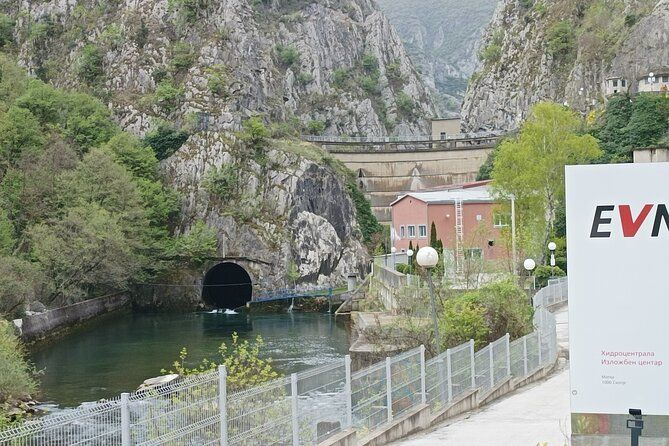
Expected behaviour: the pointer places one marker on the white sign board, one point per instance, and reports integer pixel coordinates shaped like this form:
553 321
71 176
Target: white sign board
618 261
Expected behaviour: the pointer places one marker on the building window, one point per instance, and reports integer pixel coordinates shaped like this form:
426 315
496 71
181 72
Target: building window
473 254
402 232
615 83
623 83
422 231
501 220
665 79
412 231
443 135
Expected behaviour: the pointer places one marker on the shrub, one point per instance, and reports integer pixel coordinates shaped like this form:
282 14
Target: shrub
316 127
304 78
113 36
89 65
165 140
561 40
288 55
402 268
491 54
197 245
223 182
16 375
370 63
167 96
340 77
241 359
370 84
405 104
394 71
545 272
218 80
255 133
368 223
6 30
182 57
18 286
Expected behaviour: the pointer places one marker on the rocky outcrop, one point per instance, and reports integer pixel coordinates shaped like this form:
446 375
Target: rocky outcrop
553 51
284 208
442 39
228 59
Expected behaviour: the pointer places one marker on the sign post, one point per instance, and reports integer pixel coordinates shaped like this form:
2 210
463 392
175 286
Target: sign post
618 245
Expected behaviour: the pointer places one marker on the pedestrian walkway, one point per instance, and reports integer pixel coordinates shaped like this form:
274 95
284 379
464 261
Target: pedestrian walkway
536 414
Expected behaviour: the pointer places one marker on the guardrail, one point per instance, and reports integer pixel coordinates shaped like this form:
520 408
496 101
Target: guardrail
396 139
555 293
301 409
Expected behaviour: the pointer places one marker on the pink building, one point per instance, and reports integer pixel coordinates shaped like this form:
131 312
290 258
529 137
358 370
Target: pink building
468 209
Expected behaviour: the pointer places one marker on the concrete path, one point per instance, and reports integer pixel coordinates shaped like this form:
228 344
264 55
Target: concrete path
536 414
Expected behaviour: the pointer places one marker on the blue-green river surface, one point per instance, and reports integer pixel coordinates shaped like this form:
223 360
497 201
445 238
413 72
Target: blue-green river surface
117 353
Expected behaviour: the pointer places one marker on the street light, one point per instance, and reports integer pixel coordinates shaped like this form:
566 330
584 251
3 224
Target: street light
409 255
428 258
651 80
529 266
551 247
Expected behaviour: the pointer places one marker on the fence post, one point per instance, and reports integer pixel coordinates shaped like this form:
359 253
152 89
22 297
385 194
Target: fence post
389 390
295 415
423 392
539 346
472 359
508 355
449 377
525 354
492 365
349 392
125 419
223 403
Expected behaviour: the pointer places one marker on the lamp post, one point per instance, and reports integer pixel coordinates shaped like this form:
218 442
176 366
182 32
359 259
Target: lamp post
529 266
651 80
551 247
428 258
393 250
409 255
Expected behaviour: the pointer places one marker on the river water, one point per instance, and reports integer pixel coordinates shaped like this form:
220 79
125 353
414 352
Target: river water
117 353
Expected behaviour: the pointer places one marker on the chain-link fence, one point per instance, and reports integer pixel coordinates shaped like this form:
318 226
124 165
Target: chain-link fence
301 409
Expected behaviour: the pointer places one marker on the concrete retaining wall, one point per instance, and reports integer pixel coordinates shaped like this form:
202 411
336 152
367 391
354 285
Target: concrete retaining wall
37 326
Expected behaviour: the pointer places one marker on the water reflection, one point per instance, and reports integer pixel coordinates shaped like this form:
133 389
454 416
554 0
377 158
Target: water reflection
119 353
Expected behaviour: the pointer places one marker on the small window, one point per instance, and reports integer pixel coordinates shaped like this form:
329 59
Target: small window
412 231
623 83
665 79
422 231
443 135
402 232
615 91
615 83
501 220
473 254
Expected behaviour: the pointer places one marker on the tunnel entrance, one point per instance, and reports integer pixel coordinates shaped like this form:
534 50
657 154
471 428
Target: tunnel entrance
227 285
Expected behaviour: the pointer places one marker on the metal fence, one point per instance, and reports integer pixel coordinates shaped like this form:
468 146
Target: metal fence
301 409
553 294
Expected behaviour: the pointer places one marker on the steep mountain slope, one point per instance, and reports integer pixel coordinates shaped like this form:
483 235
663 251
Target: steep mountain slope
338 62
562 51
192 74
442 37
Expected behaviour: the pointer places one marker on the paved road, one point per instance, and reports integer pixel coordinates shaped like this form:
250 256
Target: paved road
532 415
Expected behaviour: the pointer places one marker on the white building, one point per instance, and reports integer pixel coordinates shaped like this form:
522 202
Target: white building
615 85
656 81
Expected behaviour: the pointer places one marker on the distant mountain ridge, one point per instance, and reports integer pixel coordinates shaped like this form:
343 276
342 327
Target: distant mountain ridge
441 37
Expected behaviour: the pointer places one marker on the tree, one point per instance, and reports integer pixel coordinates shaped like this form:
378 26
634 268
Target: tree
7 236
197 245
16 374
292 272
18 287
19 131
138 158
531 168
165 140
649 120
435 241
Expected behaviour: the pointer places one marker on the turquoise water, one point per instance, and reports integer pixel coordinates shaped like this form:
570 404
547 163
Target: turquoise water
118 353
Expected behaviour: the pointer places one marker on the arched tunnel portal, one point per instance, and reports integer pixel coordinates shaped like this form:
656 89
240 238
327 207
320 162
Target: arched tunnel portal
227 285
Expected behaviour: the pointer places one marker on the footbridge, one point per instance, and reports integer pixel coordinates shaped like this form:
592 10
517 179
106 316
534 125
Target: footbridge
388 166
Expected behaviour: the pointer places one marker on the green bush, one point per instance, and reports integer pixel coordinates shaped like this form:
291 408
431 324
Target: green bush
167 96
218 80
316 127
254 133
304 78
89 65
223 182
649 121
165 140
16 375
370 85
370 63
486 315
394 71
491 54
545 272
405 104
183 57
561 40
197 246
402 268
288 55
368 223
340 77
6 30
245 368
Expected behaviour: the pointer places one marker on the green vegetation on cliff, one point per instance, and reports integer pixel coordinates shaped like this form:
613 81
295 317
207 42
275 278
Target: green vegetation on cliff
82 208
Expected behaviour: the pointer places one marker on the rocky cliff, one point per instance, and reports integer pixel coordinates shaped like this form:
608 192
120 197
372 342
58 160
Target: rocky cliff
442 38
562 51
205 67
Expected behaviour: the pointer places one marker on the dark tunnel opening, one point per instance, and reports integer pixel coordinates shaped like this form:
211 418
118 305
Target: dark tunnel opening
227 285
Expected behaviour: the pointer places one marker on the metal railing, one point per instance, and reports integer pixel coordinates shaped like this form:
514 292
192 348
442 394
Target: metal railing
553 294
397 139
302 409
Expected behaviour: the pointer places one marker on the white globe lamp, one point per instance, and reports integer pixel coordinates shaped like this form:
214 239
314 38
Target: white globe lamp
529 264
427 257
552 246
